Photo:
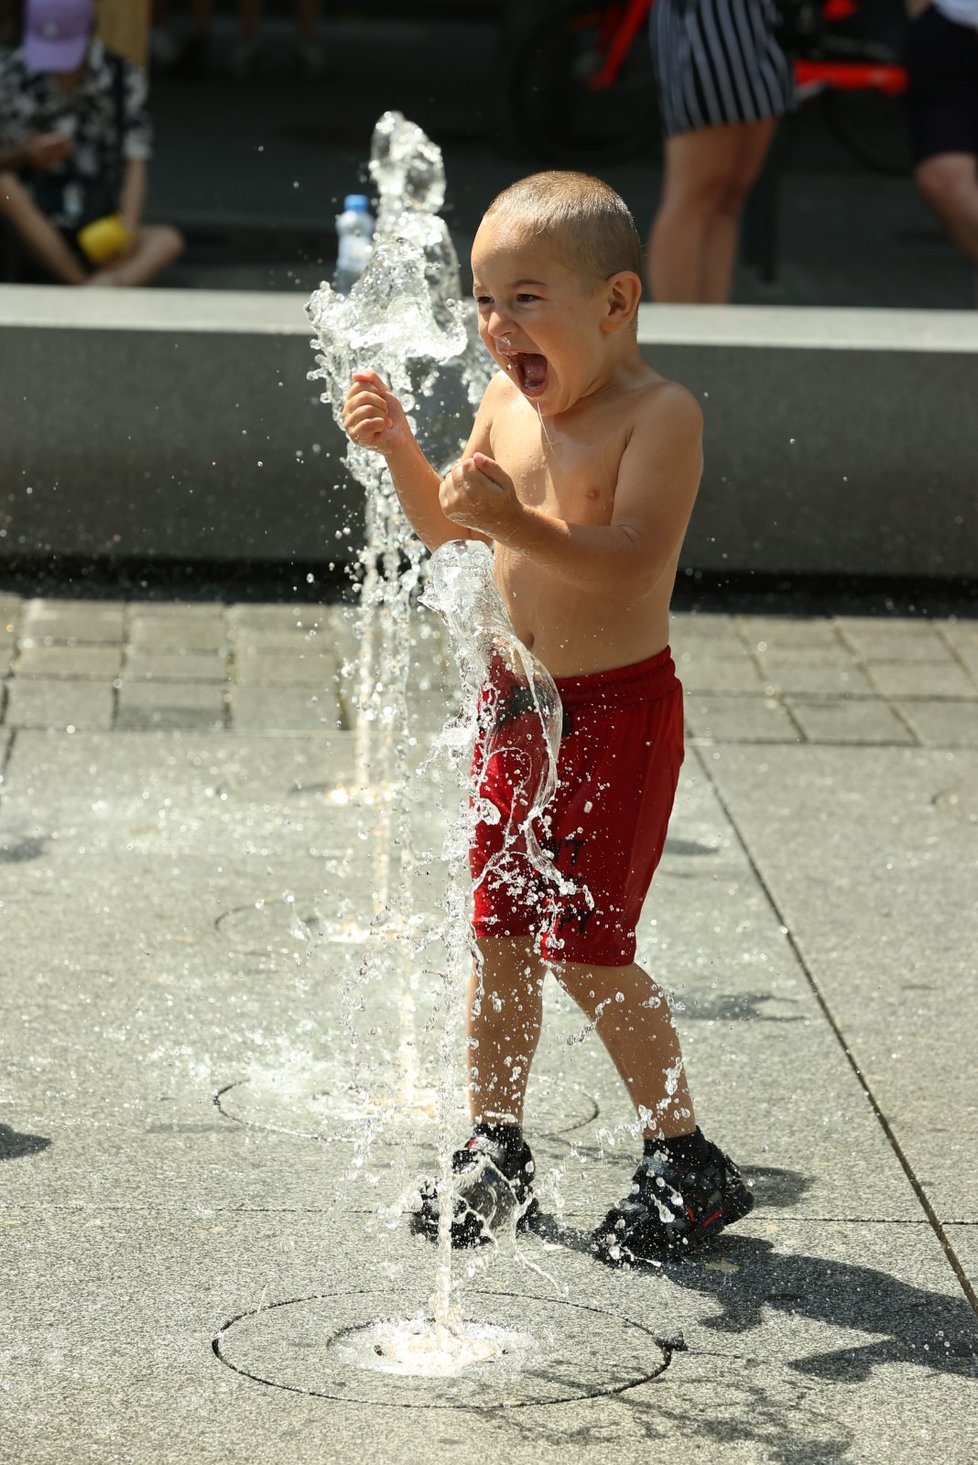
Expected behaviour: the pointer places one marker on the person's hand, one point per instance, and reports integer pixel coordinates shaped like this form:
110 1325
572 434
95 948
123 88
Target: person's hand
372 415
479 495
47 149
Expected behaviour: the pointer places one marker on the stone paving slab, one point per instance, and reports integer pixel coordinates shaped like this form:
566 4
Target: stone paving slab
739 719
60 706
202 632
170 705
311 667
75 622
292 708
88 663
860 720
923 679
942 724
174 666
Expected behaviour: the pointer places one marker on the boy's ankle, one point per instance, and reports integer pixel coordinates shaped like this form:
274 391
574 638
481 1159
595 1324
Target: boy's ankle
507 1133
681 1148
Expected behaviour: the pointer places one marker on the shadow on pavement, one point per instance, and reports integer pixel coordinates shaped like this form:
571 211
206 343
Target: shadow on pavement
926 1328
14 1146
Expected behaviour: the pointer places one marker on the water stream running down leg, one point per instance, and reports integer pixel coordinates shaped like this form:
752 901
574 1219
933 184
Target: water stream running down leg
498 675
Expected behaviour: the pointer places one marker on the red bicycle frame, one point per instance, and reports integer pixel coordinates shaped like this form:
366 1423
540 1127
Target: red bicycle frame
622 24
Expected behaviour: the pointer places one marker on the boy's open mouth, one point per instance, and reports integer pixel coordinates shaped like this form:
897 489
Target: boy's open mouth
530 370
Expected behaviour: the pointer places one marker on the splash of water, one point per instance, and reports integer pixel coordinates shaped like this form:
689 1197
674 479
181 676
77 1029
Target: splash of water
403 318
501 681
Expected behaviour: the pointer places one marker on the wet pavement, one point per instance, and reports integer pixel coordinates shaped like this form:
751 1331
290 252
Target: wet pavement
190 1066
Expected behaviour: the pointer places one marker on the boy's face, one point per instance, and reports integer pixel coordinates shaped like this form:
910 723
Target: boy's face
540 319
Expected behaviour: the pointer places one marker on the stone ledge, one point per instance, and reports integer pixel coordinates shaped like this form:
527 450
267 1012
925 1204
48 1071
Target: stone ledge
180 425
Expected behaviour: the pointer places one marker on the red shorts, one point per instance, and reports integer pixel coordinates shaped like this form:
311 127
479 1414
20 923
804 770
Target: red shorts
604 828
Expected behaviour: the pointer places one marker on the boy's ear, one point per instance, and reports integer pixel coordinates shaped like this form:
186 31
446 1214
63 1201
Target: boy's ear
623 294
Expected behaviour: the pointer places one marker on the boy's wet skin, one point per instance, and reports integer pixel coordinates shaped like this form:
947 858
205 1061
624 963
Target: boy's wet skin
580 472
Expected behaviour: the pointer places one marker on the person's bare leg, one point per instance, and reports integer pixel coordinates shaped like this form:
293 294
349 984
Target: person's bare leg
39 236
201 17
698 166
949 183
633 1019
505 1011
157 246
307 20
250 20
722 232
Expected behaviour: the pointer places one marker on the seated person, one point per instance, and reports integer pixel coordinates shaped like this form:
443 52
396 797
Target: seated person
74 144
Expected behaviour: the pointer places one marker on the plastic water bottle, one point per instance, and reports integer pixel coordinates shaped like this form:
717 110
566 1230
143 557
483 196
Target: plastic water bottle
355 232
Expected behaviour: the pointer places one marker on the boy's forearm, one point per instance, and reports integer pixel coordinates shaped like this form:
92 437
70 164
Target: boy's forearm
417 484
607 559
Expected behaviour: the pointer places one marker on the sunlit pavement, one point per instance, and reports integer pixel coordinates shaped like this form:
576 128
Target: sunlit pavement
183 1060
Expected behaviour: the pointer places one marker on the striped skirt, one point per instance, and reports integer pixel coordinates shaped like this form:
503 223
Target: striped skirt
718 61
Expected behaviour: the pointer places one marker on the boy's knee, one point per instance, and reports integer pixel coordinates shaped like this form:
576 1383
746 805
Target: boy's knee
582 986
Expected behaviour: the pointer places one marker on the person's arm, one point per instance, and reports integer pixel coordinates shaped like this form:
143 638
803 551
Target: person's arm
132 196
137 144
658 477
42 151
374 418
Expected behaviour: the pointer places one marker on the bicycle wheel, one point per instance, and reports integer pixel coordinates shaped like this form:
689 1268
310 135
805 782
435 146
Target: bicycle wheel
872 128
559 116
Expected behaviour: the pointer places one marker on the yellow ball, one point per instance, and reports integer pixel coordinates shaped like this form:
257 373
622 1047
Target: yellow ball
103 239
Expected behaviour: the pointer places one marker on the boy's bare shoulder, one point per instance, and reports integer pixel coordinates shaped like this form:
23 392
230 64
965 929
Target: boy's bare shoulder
668 406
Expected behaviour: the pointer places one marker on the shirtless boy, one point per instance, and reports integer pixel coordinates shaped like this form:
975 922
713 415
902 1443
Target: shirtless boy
580 472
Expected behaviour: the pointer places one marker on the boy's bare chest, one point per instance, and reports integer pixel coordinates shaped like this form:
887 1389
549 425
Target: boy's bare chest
570 475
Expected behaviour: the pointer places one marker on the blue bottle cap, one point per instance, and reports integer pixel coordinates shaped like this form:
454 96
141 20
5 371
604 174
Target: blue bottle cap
359 202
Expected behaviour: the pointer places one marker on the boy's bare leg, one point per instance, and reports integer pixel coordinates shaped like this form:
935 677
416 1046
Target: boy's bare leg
505 1012
631 1017
634 1022
38 235
156 247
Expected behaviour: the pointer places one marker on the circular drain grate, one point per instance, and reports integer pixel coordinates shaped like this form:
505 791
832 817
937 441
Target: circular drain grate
571 1351
318 1104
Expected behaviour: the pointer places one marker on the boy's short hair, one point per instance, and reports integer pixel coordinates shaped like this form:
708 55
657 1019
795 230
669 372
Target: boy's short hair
583 219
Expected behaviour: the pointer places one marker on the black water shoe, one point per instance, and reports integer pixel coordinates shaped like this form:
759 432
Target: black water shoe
683 1193
493 1190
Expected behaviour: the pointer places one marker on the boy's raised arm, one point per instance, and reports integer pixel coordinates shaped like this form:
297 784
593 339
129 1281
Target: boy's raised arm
374 418
658 477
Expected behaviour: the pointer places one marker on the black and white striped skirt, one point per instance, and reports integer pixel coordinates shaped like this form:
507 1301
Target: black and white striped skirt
718 61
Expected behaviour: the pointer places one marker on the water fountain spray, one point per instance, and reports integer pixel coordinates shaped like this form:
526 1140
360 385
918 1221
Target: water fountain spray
403 319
